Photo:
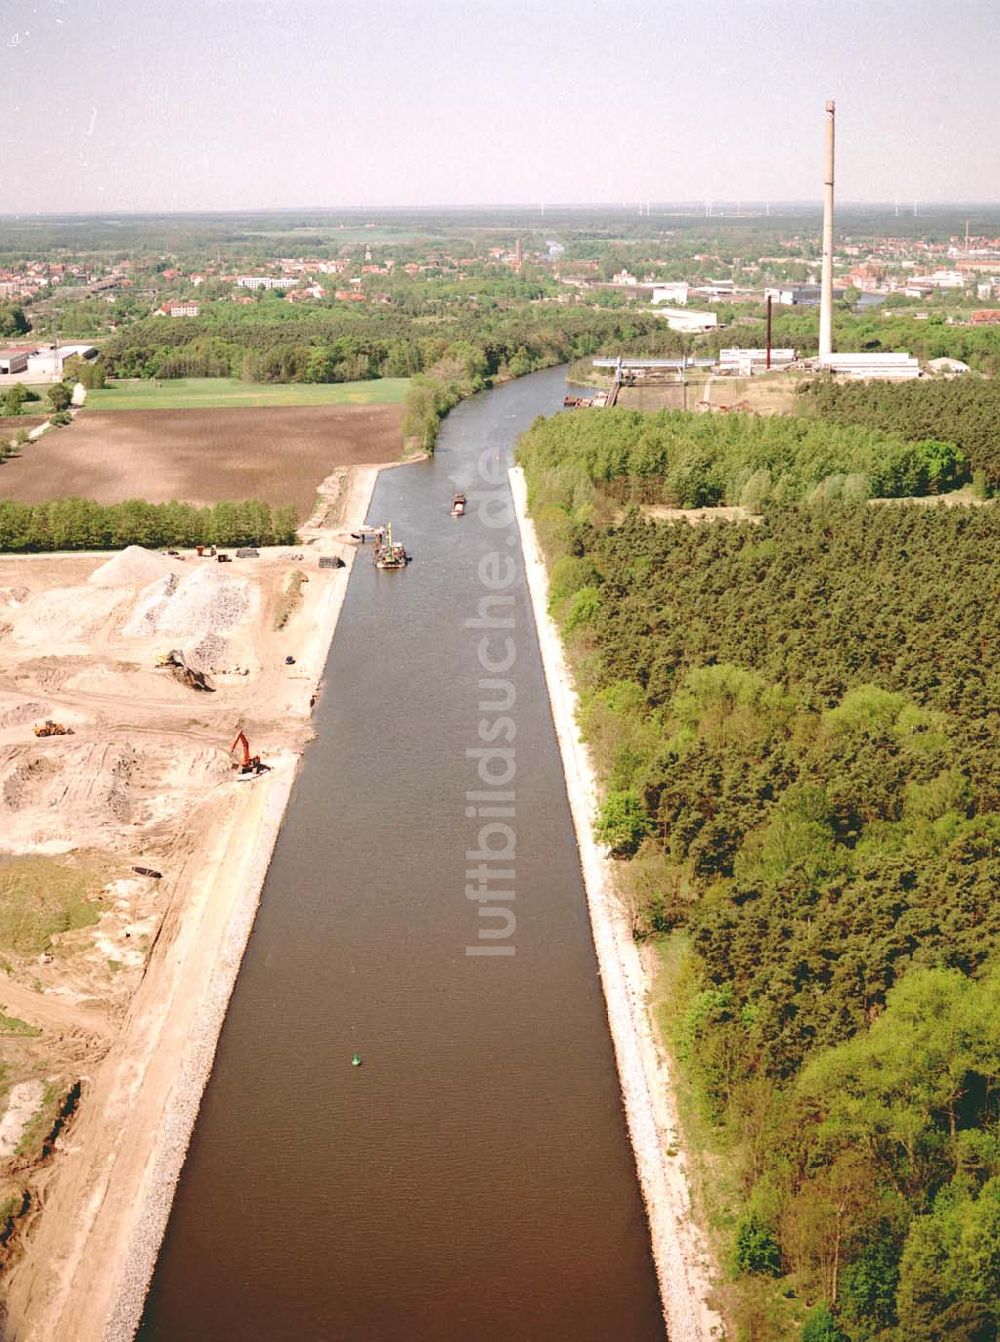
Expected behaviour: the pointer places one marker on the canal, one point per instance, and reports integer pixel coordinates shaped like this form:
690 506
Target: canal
473 1178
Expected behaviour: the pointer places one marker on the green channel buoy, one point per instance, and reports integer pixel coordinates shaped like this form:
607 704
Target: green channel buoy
356 1060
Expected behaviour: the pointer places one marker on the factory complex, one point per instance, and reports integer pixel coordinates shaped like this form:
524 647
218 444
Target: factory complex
41 363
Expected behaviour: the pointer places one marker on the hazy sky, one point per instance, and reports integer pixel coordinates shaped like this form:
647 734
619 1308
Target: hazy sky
209 104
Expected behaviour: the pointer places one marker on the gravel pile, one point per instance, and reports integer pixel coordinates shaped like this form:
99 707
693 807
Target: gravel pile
208 653
133 567
203 603
151 601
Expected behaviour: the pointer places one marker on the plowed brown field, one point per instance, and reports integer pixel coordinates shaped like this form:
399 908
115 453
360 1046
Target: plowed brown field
9 424
277 454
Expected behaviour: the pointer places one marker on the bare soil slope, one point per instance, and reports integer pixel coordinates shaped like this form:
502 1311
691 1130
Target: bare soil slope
277 454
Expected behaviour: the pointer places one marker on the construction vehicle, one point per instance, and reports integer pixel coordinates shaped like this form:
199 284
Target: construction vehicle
50 728
175 661
250 766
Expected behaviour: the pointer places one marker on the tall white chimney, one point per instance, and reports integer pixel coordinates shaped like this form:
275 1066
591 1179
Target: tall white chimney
826 297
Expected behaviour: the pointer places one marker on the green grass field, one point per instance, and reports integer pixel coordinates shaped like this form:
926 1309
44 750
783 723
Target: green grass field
207 393
42 896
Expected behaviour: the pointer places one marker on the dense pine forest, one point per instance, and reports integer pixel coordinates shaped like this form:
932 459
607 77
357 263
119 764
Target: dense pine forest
690 460
795 721
964 410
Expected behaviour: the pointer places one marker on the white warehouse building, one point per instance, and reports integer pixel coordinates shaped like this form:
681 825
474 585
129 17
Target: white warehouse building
676 291
49 360
684 319
894 367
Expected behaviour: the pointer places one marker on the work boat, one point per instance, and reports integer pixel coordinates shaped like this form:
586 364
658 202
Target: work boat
458 506
389 553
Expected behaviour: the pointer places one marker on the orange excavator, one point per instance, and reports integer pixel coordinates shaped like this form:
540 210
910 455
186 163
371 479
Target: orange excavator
250 765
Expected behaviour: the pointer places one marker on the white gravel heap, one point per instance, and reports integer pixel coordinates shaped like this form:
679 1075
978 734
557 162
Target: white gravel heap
151 601
133 567
205 601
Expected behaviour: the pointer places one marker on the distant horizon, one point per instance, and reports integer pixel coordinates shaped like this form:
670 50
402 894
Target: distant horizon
690 208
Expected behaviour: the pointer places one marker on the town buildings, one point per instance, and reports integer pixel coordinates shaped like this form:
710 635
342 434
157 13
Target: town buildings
181 307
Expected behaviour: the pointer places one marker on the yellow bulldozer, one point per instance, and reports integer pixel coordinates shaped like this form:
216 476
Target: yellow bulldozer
50 728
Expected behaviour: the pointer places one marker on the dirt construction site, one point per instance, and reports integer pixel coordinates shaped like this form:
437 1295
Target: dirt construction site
132 850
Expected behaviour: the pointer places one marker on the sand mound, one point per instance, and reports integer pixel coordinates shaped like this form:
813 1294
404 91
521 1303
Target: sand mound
16 712
204 602
63 615
134 567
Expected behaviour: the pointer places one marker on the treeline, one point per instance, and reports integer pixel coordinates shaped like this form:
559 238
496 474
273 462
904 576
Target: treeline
796 725
82 524
687 460
964 410
281 343
482 356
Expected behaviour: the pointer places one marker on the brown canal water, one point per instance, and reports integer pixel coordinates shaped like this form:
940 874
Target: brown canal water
473 1179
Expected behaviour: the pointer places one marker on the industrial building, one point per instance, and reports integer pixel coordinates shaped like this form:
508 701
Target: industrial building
49 360
674 292
897 367
13 361
942 279
750 362
684 319
799 295
894 367
717 290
